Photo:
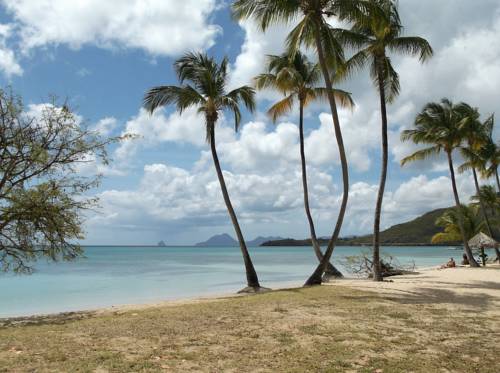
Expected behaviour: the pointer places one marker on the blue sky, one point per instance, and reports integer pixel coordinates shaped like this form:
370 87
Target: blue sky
103 56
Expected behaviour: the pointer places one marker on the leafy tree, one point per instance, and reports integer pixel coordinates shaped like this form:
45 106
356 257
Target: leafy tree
440 125
203 86
314 31
381 34
42 197
298 80
468 216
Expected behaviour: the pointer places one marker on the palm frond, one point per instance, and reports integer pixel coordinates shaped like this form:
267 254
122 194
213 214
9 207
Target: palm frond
281 108
244 94
342 97
422 154
302 34
354 64
413 46
183 97
265 12
266 81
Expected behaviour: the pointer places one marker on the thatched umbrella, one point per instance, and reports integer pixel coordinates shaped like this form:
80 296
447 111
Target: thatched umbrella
482 241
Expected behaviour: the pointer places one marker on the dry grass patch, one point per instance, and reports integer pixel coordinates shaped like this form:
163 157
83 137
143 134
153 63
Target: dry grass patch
323 329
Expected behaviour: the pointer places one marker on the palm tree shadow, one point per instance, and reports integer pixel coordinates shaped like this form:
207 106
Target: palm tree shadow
443 296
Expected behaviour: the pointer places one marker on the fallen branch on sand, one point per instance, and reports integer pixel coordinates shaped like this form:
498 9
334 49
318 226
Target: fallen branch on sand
362 266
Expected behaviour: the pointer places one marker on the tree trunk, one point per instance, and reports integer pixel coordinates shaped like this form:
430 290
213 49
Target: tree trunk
483 211
252 279
481 204
498 179
467 249
330 271
315 278
377 271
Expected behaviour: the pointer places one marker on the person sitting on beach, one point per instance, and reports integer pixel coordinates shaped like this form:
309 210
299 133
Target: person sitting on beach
465 260
451 264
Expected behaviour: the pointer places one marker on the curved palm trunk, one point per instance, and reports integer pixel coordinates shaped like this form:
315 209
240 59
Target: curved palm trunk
315 278
252 279
467 249
498 179
481 204
330 271
377 272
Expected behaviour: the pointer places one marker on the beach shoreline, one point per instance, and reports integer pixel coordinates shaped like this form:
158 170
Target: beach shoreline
423 277
427 322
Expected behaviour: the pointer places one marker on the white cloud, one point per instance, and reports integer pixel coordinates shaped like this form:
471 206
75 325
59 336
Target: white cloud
9 64
187 128
105 126
252 59
83 72
465 39
160 27
272 203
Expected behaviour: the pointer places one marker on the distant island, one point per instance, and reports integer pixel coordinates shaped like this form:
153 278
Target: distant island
225 240
162 244
417 232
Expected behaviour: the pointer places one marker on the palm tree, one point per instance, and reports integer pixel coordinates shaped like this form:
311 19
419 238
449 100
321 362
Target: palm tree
490 153
314 31
298 79
440 126
476 136
468 215
488 196
207 92
382 34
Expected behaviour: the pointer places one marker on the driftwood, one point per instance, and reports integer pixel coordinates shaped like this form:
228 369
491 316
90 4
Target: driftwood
362 266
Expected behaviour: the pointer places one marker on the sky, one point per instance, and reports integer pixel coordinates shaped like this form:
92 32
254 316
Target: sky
102 56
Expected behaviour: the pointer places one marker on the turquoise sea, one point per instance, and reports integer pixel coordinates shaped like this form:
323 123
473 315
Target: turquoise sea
130 275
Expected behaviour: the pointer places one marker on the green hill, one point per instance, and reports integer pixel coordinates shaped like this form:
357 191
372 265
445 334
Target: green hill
416 232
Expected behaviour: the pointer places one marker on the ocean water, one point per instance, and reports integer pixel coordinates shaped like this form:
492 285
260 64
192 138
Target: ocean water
110 276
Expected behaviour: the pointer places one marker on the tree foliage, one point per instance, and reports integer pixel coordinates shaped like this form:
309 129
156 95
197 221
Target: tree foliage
42 195
450 220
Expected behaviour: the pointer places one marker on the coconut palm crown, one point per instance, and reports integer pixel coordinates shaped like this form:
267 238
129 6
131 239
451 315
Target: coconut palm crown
298 79
207 90
203 86
380 34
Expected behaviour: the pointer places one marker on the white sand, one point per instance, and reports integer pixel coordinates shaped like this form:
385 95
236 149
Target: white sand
473 287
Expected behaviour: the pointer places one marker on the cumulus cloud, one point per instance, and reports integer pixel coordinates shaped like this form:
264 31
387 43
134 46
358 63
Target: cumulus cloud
464 36
9 64
105 126
261 163
188 128
187 200
254 50
159 27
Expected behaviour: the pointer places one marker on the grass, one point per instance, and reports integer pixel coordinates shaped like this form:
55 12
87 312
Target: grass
322 329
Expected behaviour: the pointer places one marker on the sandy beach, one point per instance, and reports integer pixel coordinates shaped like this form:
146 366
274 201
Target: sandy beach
437 320
461 286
